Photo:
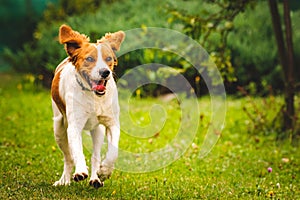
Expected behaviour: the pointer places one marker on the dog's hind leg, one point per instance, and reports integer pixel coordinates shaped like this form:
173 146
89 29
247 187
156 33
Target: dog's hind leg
61 138
98 138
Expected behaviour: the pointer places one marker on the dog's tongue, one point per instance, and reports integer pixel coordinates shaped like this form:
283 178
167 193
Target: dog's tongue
98 87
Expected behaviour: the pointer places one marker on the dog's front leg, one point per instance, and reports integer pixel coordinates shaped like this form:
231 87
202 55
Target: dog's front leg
97 137
75 142
107 166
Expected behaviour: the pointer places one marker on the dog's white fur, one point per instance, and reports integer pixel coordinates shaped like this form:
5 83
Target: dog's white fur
84 110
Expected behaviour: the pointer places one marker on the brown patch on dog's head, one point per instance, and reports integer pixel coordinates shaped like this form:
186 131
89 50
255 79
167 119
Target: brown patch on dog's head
72 40
77 45
113 39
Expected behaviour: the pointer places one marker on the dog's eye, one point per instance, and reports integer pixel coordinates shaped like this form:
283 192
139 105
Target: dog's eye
90 59
108 59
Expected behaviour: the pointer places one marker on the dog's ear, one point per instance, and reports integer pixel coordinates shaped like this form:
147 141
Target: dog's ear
114 39
72 39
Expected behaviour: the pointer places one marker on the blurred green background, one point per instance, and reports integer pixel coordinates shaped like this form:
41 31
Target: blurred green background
29 29
18 21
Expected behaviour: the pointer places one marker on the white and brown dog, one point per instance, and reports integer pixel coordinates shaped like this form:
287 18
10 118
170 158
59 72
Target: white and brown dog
85 97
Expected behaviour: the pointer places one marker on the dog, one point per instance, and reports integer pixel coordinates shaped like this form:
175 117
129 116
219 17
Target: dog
85 97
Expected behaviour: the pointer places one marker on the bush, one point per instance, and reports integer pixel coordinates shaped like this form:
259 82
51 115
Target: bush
254 49
43 54
254 52
38 57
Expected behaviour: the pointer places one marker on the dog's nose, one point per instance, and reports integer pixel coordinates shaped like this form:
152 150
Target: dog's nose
104 73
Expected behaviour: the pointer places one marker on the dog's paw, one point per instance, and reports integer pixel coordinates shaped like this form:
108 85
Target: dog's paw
103 177
79 176
62 182
96 183
104 172
65 179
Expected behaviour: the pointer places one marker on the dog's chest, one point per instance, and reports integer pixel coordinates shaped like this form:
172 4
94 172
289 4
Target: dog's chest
101 111
96 119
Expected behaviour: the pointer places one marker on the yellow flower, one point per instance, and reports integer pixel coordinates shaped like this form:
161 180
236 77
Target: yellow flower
271 194
53 148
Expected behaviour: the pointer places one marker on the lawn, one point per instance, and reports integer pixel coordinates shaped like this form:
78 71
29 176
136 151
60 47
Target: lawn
242 165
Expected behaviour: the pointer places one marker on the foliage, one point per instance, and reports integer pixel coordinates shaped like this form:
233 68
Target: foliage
252 43
43 55
18 21
237 167
241 45
253 48
211 26
36 58
264 114
64 8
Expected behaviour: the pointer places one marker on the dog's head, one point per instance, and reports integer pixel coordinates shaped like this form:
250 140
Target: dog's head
93 61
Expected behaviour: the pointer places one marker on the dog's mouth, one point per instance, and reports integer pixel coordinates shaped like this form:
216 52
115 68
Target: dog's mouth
99 87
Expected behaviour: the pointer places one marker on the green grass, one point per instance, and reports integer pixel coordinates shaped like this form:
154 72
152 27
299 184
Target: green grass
236 168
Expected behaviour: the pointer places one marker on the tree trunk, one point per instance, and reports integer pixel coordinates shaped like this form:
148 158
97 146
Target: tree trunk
290 84
286 59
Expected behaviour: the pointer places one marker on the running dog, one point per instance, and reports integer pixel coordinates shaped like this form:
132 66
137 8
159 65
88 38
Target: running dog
85 97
